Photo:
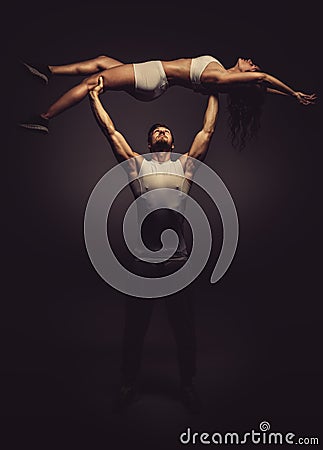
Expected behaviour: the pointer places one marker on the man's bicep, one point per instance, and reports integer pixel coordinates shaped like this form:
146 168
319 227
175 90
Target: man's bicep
200 145
121 149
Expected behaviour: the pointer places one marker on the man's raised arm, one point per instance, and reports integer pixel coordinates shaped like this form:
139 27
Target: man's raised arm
119 145
203 138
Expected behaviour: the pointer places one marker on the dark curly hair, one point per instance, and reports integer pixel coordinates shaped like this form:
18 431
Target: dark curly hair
244 104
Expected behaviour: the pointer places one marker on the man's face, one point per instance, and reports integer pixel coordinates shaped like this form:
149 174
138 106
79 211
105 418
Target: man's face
161 139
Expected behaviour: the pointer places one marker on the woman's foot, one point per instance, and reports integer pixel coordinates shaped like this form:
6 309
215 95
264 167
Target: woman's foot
40 71
36 123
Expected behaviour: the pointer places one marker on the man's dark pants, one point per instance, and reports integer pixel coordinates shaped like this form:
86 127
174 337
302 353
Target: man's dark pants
138 311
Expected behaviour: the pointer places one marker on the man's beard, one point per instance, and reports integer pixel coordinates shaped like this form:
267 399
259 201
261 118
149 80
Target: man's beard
161 146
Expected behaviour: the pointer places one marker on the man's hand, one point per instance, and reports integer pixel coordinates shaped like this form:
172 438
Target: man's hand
98 89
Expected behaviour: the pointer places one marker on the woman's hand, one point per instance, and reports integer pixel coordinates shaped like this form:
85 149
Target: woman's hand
305 99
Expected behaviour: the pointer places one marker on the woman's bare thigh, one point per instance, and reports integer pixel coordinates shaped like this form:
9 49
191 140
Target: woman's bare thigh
117 78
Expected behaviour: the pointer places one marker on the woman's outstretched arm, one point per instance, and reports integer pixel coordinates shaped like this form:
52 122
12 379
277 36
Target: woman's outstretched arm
225 78
275 91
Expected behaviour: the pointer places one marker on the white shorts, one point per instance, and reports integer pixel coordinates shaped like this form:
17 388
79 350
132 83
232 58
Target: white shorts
197 67
150 80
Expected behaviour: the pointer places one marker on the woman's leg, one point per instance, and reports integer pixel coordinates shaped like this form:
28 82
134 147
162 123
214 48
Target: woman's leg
117 78
88 67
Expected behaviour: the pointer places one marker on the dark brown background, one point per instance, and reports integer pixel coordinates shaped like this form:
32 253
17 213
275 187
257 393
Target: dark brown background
258 328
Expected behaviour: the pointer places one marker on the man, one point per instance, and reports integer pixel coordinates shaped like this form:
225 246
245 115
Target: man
160 171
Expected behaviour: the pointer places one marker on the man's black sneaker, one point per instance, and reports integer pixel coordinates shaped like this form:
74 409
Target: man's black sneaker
40 71
126 396
189 398
36 123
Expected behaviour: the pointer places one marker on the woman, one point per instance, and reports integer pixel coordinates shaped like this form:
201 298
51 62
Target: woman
244 82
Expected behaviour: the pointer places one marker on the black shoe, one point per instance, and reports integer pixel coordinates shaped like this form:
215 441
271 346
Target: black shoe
126 396
40 71
36 123
189 398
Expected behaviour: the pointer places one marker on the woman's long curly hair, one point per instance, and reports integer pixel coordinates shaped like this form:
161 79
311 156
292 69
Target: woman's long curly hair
244 104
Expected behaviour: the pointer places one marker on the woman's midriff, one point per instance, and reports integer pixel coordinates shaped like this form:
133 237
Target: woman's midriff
178 70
